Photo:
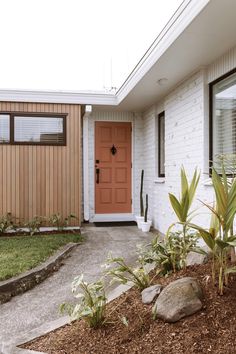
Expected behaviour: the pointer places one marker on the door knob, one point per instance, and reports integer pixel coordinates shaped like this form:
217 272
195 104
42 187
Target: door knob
113 149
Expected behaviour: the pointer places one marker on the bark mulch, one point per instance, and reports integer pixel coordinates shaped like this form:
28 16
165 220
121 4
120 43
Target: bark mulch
211 330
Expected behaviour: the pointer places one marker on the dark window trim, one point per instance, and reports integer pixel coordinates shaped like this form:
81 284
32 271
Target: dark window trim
160 115
211 84
13 114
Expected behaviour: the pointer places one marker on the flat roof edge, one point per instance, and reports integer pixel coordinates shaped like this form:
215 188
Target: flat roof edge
62 97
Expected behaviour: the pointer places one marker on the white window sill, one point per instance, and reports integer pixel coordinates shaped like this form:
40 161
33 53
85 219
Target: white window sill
208 182
159 180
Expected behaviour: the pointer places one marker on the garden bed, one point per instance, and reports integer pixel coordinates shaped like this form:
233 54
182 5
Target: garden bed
211 330
22 232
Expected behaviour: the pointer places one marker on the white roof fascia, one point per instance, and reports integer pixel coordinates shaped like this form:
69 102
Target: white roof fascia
71 97
185 14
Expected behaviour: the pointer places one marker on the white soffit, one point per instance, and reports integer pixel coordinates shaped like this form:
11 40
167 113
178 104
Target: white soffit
207 37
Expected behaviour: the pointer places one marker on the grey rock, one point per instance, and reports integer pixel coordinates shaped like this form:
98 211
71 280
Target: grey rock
149 294
179 299
196 258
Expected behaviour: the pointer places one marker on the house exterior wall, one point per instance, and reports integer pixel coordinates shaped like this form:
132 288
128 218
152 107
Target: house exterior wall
186 143
42 180
137 152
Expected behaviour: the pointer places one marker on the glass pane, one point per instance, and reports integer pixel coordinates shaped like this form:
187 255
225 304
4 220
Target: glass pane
38 129
224 122
4 128
162 145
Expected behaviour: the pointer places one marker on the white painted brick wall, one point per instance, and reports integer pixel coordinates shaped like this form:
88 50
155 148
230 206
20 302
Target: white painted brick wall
186 142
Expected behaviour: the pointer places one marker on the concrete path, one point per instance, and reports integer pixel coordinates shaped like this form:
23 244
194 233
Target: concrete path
40 305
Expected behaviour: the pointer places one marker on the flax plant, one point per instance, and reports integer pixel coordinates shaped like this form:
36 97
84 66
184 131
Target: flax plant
182 206
219 238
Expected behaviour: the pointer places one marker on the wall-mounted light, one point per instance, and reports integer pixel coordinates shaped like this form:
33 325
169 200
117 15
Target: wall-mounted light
162 82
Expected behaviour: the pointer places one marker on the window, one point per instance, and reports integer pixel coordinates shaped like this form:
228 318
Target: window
4 128
32 129
161 144
223 121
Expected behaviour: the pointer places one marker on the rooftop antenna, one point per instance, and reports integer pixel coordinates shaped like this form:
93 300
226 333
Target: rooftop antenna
111 71
112 88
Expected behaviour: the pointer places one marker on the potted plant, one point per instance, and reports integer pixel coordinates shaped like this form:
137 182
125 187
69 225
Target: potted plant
146 224
140 218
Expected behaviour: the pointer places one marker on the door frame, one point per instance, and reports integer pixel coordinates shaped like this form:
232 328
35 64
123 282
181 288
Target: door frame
88 172
120 215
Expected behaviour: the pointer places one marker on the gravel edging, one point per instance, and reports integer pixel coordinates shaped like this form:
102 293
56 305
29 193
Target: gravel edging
23 282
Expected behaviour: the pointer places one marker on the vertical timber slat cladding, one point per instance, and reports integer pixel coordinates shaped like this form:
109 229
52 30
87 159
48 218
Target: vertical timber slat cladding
42 180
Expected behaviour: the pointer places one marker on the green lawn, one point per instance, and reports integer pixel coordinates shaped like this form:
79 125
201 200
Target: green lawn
21 253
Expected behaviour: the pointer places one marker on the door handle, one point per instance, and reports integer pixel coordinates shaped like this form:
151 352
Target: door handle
97 175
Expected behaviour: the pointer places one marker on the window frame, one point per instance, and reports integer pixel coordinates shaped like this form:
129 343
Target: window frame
12 116
160 116
211 126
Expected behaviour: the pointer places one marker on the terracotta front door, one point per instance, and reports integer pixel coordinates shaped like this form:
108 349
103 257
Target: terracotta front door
112 167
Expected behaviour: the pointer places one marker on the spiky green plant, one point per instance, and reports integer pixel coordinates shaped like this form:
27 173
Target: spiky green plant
182 206
141 194
218 238
146 209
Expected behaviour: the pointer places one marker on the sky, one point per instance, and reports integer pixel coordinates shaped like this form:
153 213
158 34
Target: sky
76 44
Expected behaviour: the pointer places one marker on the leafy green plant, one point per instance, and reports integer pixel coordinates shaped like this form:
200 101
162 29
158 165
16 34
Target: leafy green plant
34 224
158 253
218 237
170 254
92 304
120 272
7 223
59 222
182 206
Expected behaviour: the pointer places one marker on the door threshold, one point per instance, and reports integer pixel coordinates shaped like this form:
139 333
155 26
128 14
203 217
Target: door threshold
112 217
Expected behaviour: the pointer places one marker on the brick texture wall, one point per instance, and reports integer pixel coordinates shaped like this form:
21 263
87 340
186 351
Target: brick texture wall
186 142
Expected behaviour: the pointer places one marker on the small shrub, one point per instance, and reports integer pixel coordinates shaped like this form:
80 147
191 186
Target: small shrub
34 224
170 253
122 273
59 222
7 223
93 302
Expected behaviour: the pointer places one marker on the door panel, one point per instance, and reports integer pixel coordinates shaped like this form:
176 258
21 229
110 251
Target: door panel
112 171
